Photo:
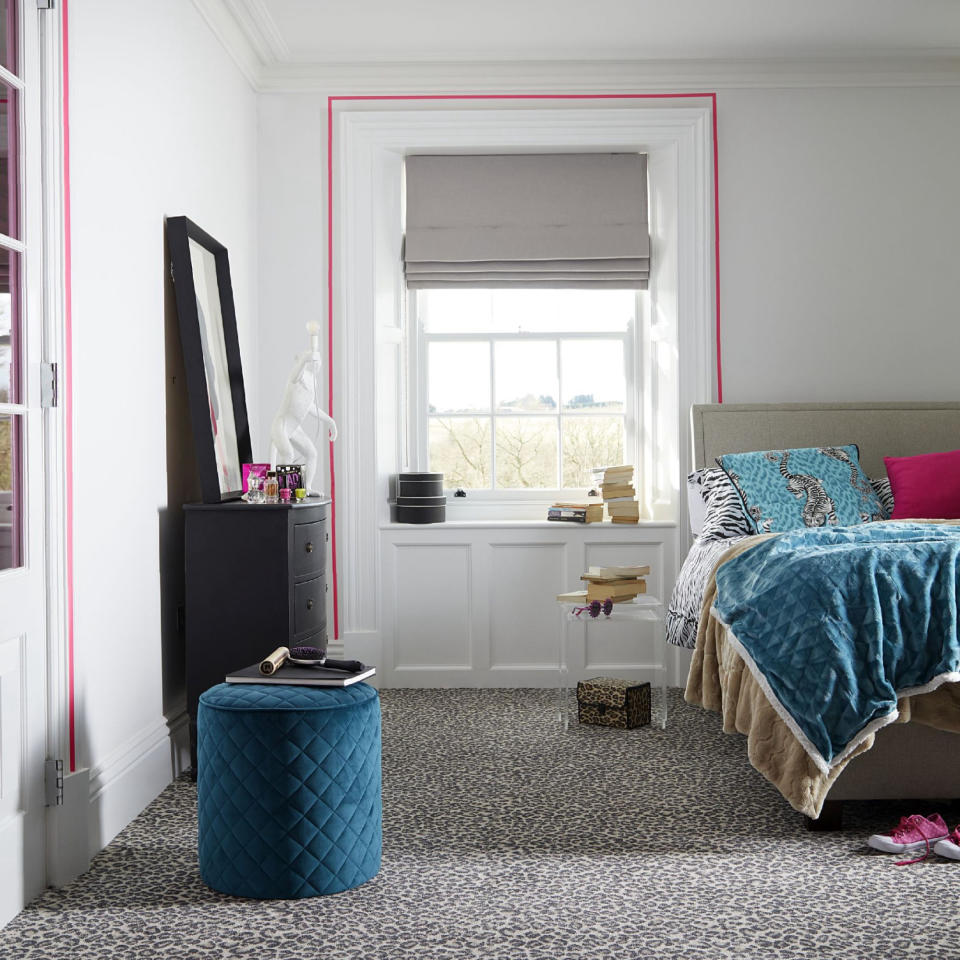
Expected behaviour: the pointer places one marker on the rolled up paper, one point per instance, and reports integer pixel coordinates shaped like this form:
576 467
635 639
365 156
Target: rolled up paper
273 663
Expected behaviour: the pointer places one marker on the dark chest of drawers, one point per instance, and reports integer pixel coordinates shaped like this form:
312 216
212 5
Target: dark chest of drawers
255 580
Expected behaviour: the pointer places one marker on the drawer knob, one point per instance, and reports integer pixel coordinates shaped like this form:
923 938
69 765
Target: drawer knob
309 547
310 603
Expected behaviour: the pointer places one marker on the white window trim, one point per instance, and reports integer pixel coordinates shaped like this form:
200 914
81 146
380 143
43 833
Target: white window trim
367 358
482 502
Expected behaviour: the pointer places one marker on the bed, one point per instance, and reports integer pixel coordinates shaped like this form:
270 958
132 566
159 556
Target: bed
903 760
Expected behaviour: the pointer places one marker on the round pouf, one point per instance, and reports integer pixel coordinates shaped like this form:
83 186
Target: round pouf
288 788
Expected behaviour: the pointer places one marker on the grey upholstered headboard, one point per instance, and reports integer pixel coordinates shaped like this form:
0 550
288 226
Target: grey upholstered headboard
879 429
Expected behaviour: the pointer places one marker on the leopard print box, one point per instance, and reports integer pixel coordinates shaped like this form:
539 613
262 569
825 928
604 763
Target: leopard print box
613 702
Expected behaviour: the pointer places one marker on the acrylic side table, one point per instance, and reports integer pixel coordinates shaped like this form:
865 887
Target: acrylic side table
644 608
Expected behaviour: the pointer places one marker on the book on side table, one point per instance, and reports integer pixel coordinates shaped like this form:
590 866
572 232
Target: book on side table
290 673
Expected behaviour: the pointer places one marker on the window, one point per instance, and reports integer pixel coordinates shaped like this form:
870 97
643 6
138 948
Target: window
517 390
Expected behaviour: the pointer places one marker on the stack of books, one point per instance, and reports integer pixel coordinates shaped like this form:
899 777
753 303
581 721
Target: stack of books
616 487
616 583
576 512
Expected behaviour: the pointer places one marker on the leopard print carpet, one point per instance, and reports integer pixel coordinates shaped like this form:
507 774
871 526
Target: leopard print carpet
505 838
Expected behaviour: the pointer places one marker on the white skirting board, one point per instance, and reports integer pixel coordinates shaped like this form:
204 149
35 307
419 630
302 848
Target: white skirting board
133 776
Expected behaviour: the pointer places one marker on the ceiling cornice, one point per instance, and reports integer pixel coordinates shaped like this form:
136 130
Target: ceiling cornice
260 29
228 30
250 35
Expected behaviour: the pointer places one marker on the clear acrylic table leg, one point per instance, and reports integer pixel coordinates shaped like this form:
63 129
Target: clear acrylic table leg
563 713
661 639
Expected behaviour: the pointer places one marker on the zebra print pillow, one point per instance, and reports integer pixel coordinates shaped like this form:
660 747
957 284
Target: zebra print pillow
881 487
724 516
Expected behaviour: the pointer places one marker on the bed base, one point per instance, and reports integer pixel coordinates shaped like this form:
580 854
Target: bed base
909 761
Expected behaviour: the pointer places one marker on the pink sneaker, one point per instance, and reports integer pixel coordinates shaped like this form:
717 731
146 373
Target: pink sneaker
950 847
911 835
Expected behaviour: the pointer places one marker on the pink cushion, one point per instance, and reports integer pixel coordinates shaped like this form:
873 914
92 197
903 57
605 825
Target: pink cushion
926 486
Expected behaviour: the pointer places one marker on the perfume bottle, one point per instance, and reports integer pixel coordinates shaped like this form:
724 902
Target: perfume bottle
270 487
254 489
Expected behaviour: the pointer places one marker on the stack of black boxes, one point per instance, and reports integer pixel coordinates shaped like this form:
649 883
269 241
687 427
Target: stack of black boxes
418 498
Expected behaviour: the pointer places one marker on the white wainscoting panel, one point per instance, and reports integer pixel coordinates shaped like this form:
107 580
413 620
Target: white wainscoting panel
433 601
523 607
473 604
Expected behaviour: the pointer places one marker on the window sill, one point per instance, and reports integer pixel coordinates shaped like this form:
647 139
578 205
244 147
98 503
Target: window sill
606 525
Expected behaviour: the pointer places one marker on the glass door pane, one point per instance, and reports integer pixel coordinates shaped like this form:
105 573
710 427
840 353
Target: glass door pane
11 431
8 34
9 326
9 162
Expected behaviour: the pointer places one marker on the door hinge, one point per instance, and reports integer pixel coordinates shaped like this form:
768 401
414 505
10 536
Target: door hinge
48 384
45 4
53 783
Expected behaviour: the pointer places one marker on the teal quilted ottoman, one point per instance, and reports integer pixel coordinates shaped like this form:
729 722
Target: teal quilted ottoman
288 788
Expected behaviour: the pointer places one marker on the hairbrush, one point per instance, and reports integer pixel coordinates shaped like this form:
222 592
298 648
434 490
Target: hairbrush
307 656
312 657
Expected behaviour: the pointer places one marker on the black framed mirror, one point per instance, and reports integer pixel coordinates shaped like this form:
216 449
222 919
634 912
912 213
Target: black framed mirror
211 353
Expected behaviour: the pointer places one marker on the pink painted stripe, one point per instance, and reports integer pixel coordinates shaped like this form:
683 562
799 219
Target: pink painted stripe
493 96
716 242
68 391
333 483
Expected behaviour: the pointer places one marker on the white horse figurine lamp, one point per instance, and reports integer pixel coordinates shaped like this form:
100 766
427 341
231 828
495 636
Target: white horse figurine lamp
289 440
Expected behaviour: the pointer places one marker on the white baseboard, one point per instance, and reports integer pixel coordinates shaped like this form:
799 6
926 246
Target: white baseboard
134 775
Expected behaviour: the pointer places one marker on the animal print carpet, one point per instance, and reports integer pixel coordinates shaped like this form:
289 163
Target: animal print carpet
506 838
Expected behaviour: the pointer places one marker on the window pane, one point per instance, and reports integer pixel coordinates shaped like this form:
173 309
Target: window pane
459 377
9 326
590 442
593 378
9 162
10 512
527 452
526 311
460 450
8 34
526 375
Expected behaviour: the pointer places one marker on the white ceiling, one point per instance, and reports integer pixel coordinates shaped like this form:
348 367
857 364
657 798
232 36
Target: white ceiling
371 31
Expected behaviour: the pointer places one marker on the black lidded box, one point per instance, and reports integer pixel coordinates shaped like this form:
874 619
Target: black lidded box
418 498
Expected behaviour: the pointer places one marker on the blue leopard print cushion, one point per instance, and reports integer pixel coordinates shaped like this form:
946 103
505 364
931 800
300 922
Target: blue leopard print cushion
807 487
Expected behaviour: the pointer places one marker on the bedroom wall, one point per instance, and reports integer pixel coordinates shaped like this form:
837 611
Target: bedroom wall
837 214
162 123
838 238
836 206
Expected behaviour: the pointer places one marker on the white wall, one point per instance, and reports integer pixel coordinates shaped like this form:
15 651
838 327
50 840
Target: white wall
836 212
162 124
838 238
838 208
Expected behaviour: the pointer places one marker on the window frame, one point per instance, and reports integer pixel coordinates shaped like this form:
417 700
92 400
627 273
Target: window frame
417 397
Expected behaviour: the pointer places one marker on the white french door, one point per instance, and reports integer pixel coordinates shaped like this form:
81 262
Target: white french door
23 641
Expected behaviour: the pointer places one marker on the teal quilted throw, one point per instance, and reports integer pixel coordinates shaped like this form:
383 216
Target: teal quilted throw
288 788
837 623
805 487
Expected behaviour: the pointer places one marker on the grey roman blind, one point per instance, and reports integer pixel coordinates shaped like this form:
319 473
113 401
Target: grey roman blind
527 220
